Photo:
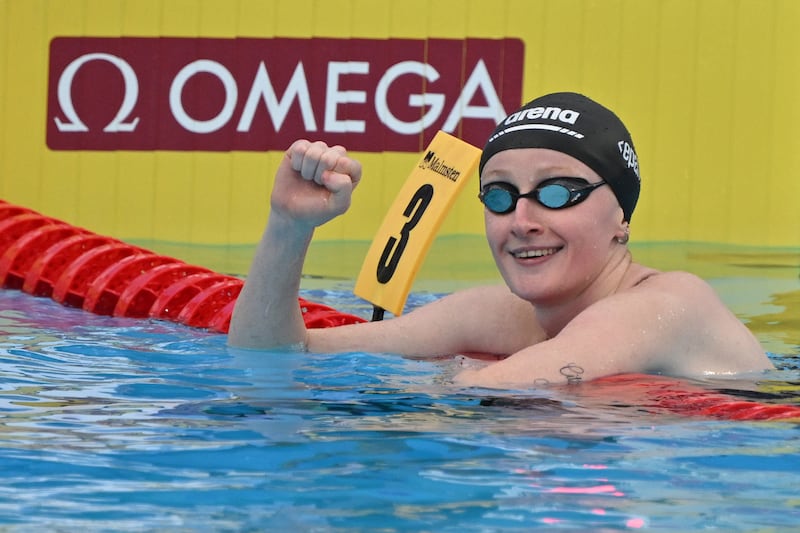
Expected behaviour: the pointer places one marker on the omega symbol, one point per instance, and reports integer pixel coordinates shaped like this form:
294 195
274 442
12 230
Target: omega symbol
118 123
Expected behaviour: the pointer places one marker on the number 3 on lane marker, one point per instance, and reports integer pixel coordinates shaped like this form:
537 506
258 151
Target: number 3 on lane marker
412 221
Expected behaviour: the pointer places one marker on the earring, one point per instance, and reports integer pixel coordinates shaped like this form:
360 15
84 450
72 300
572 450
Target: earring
624 239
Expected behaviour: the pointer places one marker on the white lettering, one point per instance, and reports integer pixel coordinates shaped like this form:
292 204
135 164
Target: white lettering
569 116
262 90
535 113
334 97
629 156
479 86
435 101
478 79
551 113
176 91
118 123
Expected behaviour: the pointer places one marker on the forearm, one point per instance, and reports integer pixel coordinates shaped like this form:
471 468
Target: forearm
267 314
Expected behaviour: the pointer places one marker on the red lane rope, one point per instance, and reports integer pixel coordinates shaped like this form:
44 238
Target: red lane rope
47 257
75 267
681 397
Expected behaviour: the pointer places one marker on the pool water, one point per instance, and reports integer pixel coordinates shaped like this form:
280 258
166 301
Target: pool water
112 424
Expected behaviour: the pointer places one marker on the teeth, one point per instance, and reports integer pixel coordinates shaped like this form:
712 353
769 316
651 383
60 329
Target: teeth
535 253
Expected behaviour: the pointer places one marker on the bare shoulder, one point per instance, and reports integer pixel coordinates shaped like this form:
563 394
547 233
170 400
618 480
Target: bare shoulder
674 280
684 293
708 338
687 300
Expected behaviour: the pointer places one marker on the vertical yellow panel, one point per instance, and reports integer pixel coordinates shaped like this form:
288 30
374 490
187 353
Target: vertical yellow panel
781 222
713 120
520 17
208 196
180 18
404 18
666 179
562 27
96 189
24 79
256 18
329 15
600 50
141 17
370 19
217 18
103 17
63 17
636 92
251 184
173 186
5 70
751 115
136 202
294 18
490 24
445 19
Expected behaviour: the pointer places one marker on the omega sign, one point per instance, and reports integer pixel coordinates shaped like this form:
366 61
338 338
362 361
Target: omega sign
260 94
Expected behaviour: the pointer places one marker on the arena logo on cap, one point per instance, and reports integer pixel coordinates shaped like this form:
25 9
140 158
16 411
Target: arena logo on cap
550 113
167 93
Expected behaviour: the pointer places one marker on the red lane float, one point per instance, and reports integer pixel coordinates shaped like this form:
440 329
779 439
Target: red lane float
47 257
16 260
140 294
72 285
681 397
14 227
206 304
103 294
173 299
53 261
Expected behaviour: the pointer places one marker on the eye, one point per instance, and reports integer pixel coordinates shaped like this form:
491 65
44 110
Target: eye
499 197
553 195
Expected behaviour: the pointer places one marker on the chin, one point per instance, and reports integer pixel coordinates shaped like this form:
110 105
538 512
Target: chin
528 290
535 288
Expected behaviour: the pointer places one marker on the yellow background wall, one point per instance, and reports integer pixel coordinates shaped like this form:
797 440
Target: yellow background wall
709 89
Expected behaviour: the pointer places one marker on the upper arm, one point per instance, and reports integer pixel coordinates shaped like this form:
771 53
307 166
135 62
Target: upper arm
480 319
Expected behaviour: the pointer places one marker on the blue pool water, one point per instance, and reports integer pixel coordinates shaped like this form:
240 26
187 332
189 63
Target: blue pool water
111 424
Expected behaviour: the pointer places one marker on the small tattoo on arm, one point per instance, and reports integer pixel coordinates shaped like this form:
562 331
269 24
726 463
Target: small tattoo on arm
573 373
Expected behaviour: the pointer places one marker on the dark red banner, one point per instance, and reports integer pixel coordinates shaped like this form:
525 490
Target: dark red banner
208 94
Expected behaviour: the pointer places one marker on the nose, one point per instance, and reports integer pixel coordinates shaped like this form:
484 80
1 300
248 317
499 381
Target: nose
527 217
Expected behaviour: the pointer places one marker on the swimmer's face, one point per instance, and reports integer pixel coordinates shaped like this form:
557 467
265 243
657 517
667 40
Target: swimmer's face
546 254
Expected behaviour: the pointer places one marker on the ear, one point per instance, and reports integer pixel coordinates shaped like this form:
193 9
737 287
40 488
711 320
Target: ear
623 233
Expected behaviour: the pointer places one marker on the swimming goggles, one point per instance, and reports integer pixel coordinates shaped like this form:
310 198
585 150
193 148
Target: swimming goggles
501 198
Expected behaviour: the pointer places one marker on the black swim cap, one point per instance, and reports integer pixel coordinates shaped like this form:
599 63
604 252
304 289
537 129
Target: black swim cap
579 127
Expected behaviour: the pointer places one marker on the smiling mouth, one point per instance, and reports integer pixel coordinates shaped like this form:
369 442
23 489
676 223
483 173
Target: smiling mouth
529 254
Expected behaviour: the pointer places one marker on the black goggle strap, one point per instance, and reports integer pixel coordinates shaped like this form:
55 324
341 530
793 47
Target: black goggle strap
578 194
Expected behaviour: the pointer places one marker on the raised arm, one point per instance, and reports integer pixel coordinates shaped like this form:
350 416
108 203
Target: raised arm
313 185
